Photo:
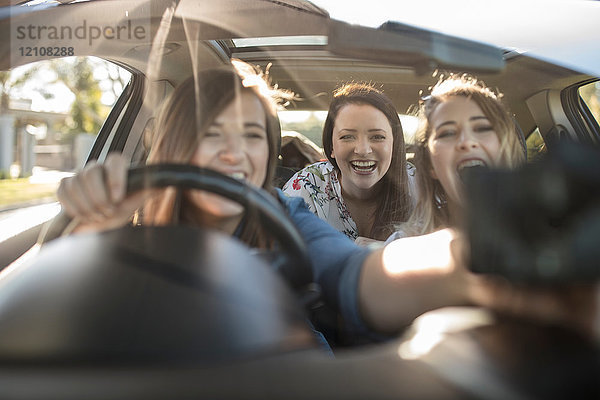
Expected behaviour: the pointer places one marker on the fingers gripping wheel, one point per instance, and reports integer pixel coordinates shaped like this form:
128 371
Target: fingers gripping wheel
297 268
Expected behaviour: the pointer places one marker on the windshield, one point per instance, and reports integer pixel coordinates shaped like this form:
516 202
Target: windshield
563 23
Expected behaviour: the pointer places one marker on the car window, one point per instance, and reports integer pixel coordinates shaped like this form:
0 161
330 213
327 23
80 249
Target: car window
535 145
50 115
308 123
590 94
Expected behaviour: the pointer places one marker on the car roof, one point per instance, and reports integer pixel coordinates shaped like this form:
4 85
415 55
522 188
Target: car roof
558 31
313 68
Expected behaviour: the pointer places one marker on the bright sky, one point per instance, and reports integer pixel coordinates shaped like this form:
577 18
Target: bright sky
561 31
479 12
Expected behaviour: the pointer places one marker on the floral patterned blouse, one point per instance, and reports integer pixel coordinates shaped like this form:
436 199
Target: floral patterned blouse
319 186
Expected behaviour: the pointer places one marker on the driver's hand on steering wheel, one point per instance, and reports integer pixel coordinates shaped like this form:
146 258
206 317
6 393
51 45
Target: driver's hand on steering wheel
95 197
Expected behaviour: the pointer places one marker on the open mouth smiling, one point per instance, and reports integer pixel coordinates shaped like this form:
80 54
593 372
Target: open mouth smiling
363 167
470 164
465 167
240 176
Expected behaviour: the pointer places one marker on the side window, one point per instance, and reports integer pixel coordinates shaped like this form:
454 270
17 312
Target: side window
535 145
590 94
50 114
308 123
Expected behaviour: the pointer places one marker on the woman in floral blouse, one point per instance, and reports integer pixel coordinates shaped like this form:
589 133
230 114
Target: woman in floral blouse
365 186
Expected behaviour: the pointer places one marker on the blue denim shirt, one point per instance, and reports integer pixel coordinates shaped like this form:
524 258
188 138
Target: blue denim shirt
336 261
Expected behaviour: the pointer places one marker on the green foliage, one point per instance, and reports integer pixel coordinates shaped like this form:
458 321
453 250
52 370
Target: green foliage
10 81
87 111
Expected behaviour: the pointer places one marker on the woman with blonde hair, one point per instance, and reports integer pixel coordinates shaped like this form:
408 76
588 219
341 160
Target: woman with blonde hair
462 124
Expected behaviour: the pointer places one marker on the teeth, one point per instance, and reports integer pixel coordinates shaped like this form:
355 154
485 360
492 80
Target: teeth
237 175
471 163
363 164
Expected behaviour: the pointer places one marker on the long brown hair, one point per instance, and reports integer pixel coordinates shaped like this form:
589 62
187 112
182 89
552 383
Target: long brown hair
431 212
182 122
393 205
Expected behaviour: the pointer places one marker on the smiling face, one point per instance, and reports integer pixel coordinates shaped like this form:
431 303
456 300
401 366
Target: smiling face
461 137
362 147
235 144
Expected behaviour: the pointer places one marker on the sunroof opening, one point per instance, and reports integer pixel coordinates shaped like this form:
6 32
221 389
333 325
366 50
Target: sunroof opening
281 41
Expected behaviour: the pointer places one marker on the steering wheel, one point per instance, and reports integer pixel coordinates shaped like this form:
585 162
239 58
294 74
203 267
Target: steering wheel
294 264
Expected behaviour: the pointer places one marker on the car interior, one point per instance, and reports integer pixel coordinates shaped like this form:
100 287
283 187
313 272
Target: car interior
124 327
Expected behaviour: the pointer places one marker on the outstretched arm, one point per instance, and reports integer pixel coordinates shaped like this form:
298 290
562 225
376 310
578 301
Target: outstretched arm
411 276
414 275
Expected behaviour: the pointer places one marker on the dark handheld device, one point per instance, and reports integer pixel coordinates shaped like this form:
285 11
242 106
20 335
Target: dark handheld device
541 222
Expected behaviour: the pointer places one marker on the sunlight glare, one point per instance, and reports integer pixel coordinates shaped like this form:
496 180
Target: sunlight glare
419 253
431 328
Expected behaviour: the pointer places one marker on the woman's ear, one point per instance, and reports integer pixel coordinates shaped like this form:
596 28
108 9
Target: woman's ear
332 154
